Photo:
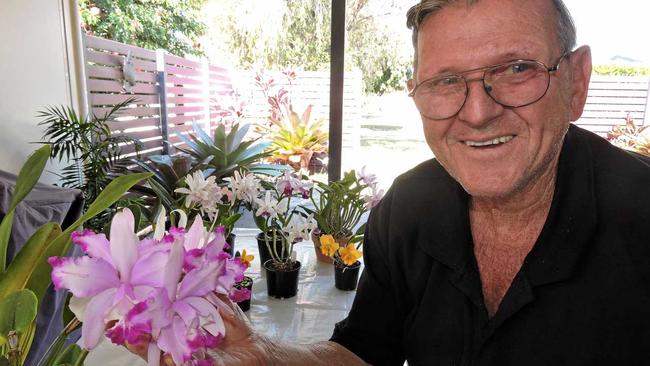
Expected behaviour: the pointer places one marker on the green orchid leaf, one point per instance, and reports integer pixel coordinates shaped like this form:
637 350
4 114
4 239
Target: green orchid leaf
27 179
29 259
40 278
4 361
72 356
17 311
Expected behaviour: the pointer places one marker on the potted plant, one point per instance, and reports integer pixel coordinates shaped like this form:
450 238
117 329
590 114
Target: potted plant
282 225
297 140
338 207
345 259
245 286
93 150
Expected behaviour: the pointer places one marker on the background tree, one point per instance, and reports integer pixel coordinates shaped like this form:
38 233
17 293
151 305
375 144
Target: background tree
296 34
174 25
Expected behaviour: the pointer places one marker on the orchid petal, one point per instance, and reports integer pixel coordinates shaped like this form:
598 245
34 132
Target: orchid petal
95 245
182 221
160 224
94 322
78 306
185 311
150 270
83 276
174 270
195 236
200 281
153 354
207 311
124 243
172 340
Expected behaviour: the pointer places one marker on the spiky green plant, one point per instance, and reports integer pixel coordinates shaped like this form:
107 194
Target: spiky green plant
227 152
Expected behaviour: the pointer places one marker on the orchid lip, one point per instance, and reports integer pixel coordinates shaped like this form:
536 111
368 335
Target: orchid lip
495 141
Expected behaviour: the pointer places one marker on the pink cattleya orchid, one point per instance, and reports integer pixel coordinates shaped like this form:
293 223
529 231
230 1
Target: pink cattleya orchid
112 277
163 289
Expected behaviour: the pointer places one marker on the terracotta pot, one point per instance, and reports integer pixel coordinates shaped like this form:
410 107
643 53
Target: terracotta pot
281 283
315 238
346 277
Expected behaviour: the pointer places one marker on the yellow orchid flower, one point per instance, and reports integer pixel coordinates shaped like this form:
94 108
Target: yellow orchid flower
246 258
328 245
349 254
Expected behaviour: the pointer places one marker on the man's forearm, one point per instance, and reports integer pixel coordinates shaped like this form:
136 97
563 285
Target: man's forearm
321 353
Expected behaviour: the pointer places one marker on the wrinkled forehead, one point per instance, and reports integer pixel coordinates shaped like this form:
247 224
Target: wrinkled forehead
486 31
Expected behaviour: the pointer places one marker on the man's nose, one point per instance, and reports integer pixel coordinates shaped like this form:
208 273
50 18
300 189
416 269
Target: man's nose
479 107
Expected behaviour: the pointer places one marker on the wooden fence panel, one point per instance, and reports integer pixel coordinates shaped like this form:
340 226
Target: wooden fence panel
612 98
106 88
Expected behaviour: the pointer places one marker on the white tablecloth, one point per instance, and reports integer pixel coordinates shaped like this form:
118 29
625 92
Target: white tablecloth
306 318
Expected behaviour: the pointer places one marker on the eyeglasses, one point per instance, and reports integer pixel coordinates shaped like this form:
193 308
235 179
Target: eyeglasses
512 84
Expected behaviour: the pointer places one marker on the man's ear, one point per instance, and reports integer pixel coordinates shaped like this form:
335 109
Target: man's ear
410 85
580 63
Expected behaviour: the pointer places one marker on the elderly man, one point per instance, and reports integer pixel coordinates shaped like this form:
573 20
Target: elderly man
525 242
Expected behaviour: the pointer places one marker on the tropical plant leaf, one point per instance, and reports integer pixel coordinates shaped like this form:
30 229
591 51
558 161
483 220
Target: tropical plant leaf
28 259
27 179
72 356
17 312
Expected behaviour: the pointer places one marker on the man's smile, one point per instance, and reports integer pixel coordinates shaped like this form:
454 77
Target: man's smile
489 142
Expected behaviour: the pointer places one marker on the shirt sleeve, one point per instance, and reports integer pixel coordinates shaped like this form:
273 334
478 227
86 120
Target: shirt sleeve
373 329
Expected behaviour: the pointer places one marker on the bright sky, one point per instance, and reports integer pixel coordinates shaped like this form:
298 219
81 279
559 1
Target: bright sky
613 28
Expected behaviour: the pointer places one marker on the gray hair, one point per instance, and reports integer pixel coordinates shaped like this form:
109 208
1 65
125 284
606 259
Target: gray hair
565 27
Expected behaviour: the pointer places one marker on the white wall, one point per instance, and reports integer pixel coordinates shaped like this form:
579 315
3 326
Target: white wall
34 45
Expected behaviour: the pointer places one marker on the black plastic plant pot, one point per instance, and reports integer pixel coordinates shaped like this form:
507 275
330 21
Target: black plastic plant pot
281 283
264 251
247 282
346 277
230 240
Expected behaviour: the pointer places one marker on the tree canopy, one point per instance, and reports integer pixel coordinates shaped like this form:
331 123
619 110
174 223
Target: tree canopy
296 34
174 25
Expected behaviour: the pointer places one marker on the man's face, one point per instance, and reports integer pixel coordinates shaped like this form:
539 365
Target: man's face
461 37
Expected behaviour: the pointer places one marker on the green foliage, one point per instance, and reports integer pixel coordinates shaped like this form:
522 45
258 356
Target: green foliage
17 312
72 356
168 173
93 151
28 274
174 25
227 152
617 70
296 34
338 206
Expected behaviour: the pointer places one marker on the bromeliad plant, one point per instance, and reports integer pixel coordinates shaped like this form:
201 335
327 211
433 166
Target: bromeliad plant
24 280
297 139
162 288
227 151
631 137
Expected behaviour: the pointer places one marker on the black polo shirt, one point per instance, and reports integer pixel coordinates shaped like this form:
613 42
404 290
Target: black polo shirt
582 296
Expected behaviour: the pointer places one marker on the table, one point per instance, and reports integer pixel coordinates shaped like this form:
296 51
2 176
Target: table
306 318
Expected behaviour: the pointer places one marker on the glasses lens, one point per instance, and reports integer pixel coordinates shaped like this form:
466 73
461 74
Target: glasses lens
441 97
518 83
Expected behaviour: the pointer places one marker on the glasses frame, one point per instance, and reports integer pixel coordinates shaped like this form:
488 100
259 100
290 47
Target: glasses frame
486 87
